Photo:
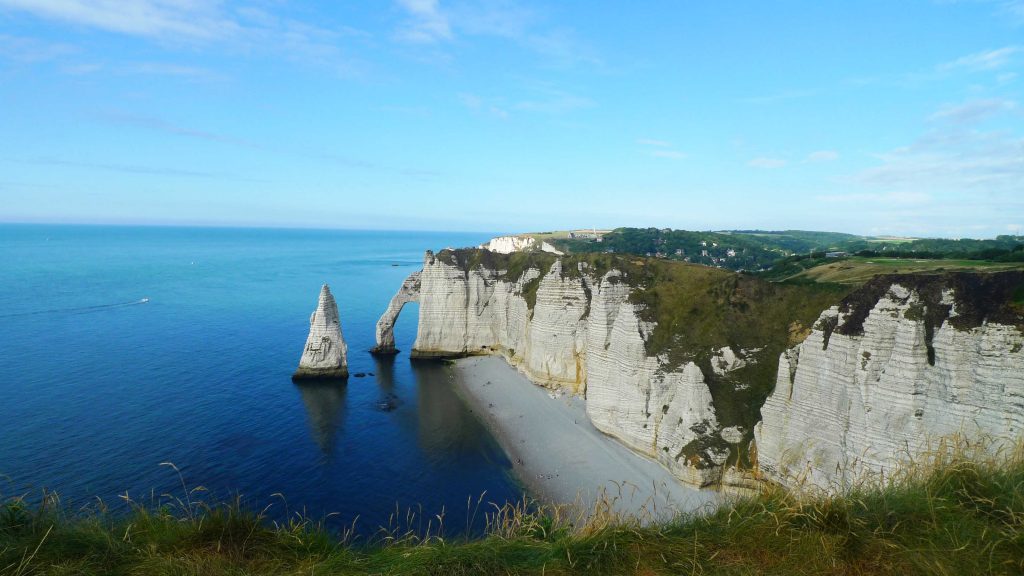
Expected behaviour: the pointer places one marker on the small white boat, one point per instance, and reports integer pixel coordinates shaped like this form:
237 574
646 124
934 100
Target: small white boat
144 300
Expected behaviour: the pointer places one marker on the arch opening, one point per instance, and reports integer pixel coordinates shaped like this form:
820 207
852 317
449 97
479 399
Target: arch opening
409 292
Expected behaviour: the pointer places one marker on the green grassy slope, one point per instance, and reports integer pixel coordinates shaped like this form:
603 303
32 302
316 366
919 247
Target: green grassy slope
760 250
857 270
957 517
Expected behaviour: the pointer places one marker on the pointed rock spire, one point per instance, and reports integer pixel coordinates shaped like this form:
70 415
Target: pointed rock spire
325 354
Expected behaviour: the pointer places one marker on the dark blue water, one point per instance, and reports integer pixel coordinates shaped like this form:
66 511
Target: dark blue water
98 389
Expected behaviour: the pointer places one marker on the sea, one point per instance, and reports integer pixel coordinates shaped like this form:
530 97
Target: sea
153 365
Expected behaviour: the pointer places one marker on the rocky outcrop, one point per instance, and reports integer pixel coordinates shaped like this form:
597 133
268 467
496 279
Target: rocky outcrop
510 244
725 360
899 365
409 292
676 360
574 330
325 353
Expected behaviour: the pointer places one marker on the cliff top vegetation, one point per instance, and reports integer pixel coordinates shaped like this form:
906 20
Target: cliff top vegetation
770 251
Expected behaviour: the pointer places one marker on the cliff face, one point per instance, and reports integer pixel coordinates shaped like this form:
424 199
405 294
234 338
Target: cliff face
689 365
510 244
896 366
576 329
325 353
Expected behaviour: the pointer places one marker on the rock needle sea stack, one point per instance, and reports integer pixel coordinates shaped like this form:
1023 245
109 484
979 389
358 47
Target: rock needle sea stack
324 356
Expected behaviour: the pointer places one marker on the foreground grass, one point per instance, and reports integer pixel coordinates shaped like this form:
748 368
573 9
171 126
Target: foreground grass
957 517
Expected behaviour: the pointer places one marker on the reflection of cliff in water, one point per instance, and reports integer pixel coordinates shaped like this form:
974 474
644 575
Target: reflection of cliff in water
447 429
385 375
325 409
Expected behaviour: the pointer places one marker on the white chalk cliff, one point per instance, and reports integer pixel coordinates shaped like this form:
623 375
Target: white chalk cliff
510 244
409 292
584 336
864 393
889 370
325 353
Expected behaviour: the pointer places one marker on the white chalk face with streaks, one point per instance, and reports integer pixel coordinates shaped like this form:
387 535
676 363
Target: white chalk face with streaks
325 352
850 407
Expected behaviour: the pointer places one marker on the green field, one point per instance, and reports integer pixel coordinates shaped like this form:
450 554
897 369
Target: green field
858 270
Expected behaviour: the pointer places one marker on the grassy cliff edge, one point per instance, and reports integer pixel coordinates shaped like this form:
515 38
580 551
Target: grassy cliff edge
949 514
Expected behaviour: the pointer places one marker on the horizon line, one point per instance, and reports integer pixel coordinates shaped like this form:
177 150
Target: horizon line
458 231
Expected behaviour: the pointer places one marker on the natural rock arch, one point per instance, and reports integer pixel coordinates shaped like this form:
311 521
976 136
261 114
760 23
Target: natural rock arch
409 292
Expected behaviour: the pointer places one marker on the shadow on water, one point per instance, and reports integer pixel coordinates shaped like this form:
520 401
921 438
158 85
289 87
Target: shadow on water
445 424
385 375
325 408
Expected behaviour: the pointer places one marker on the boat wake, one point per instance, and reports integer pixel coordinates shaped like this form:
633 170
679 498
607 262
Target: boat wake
78 310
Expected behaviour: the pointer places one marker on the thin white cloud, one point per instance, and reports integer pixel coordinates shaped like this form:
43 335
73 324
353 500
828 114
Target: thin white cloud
660 148
144 69
823 156
560 47
169 69
542 99
654 142
199 24
155 124
974 111
778 96
879 199
192 19
425 22
992 61
980 61
1015 8
81 69
956 157
160 125
471 101
480 105
766 163
134 169
554 102
30 51
428 22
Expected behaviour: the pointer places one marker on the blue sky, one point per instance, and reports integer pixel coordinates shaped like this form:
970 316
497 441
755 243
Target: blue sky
873 117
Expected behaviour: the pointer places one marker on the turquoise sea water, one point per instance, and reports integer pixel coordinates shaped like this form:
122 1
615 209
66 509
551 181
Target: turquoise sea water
98 389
